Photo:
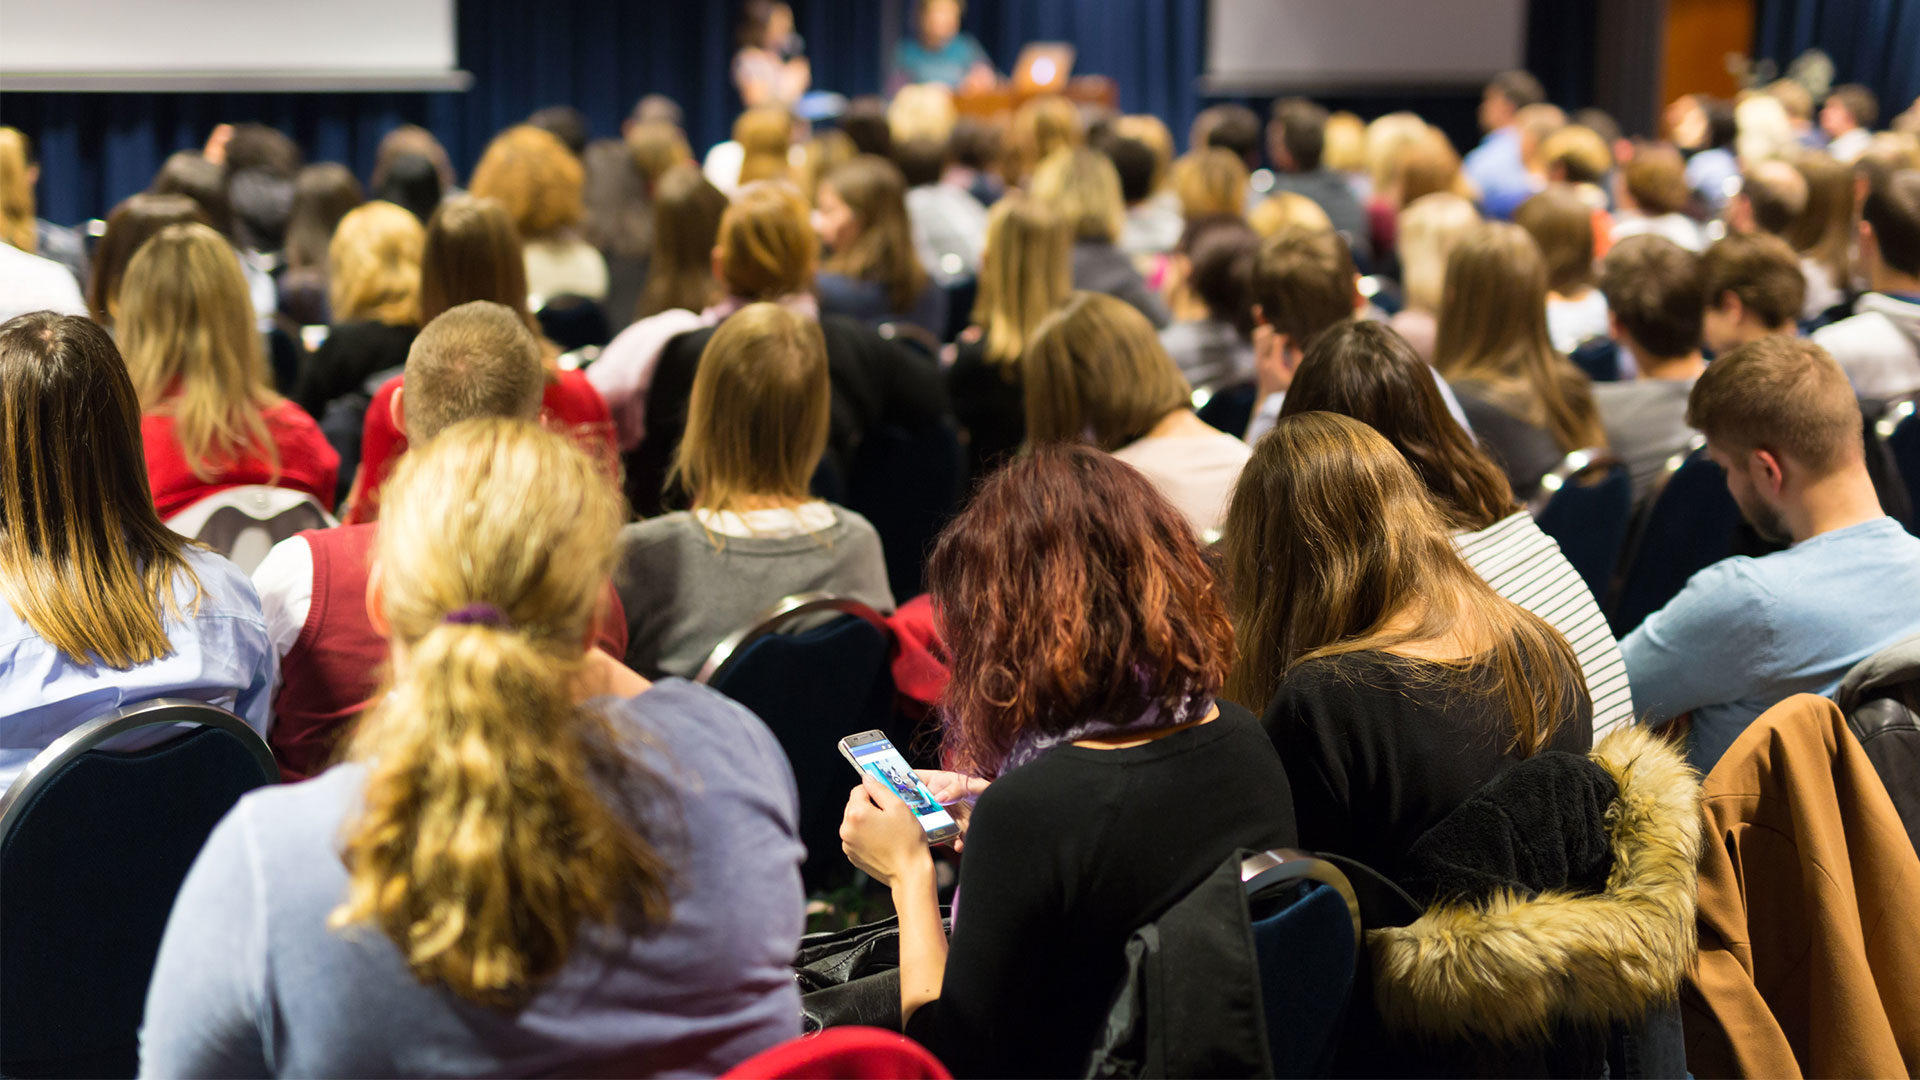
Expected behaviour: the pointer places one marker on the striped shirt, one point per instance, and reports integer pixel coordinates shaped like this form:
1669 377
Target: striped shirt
1524 565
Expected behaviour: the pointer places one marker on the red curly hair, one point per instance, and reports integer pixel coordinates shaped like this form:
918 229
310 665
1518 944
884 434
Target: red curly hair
1070 590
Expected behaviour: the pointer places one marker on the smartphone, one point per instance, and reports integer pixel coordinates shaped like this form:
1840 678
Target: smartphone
872 753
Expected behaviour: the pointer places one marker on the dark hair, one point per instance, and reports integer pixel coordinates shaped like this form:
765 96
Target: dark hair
974 144
658 107
1600 122
754 17
412 181
686 225
1893 210
1302 128
1761 270
1777 192
1303 282
1364 370
261 163
1135 163
1520 88
563 122
1653 287
865 122
186 172
131 223
268 149
1236 128
1562 224
619 216
1860 103
921 160
1722 128
1220 250
1110 608
322 195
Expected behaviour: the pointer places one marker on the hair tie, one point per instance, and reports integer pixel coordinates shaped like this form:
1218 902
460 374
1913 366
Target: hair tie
478 615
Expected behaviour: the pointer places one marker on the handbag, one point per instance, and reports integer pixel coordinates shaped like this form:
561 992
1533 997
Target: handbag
851 976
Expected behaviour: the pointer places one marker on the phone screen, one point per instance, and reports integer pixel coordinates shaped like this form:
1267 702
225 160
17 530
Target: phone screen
881 761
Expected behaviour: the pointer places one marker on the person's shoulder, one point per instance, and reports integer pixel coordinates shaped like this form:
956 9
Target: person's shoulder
651 532
1869 332
853 522
694 726
226 590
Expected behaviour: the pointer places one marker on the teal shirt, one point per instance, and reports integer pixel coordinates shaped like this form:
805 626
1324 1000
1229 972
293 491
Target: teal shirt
949 64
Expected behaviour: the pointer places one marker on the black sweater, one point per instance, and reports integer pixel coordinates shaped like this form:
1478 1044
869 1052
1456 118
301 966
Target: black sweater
1067 856
990 402
352 352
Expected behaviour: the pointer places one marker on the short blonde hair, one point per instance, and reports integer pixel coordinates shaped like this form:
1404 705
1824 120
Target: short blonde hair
767 245
1285 209
531 173
1346 144
1429 229
1210 181
374 265
1083 189
475 360
1583 156
1096 370
758 415
1388 138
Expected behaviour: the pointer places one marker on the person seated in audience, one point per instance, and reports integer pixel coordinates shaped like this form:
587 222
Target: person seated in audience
1529 405
132 223
1025 275
941 52
1781 419
1153 211
949 225
1496 166
1702 127
1653 289
1209 182
1772 196
538 181
1650 195
1879 348
770 67
978 149
1296 142
1085 678
1287 210
323 194
1041 127
1823 235
872 272
374 287
1536 124
616 198
1096 372
1363 370
473 253
1562 225
104 605
1211 337
1798 101
1579 159
526 842
210 419
1393 680
1231 127
1763 129
411 169
1430 228
1752 287
1081 187
756 427
1847 118
1421 162
20 225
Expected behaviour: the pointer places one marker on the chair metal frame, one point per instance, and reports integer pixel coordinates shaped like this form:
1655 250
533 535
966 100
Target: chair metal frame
1897 412
1280 866
46 765
249 499
1571 468
770 621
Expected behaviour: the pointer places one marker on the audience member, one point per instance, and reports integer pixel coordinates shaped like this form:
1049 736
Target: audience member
1879 348
1026 274
770 66
1561 223
1296 142
1529 406
1081 188
1425 164
538 182
756 427
941 52
563 122
1763 130
1847 118
189 173
1823 235
1702 127
1041 127
1394 681
1362 370
617 202
1745 633
1346 153
1798 101
1095 371
1651 195
920 111
871 271
1303 283
1537 124
1153 210
374 281
1287 210
1772 196
526 843
1228 127
1653 289
1496 166
105 606
1084 687
259 165
1752 288
949 224
1211 336
132 223
1209 182
20 225
411 169
977 152
1430 228
322 195
865 122
209 418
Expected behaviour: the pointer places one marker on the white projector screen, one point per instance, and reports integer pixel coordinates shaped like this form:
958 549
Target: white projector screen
226 44
1271 45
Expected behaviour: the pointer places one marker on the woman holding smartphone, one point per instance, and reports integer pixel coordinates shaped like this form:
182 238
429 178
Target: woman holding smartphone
1084 684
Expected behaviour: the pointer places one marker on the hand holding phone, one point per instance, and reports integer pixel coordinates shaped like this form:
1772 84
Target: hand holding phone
873 754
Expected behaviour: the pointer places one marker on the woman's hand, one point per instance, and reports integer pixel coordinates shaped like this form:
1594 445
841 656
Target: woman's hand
882 837
956 792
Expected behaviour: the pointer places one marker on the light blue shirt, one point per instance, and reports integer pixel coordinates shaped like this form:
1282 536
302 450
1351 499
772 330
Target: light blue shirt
1496 169
221 655
1746 633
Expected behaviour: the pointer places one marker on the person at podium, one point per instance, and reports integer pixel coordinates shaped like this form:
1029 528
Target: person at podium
941 52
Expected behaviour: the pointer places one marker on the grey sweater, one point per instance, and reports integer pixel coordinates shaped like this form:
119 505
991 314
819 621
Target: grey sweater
683 594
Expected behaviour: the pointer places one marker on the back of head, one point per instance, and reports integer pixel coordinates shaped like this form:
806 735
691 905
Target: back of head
1794 97
1601 123
657 107
1077 628
1303 281
619 218
322 195
1824 230
1151 132
1561 223
534 177
1346 144
1777 193
921 111
1537 124
1364 370
921 160
1286 210
472 253
1300 128
18 225
1764 130
1580 153
1042 127
374 262
1082 188
1095 370
1135 164
406 142
474 361
686 225
131 224
1388 138
261 163
1428 230
883 251
1859 102
1892 210
1210 181
765 135
865 122
265 148
563 122
657 147
1220 252
1762 271
1656 179
1784 395
496 827
186 172
1026 273
1427 164
757 419
1235 128
1520 88
1653 287
975 145
84 559
767 245
412 181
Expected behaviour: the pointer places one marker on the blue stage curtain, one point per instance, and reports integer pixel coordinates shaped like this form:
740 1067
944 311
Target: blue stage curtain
1872 42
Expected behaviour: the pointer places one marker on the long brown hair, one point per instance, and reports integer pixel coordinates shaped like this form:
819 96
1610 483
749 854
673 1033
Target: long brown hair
767 248
84 559
882 251
1109 608
1096 370
1026 273
1824 230
1333 546
131 224
1362 369
489 841
686 224
472 252
1493 331
322 195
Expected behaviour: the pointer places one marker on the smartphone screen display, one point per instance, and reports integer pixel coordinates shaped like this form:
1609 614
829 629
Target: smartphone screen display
881 761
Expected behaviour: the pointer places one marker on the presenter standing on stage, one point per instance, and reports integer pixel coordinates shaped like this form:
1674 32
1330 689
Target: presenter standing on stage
941 52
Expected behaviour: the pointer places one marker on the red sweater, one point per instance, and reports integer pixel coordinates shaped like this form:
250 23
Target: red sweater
569 404
307 462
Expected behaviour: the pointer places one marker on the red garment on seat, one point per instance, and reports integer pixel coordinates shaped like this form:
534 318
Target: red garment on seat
919 660
844 1053
307 461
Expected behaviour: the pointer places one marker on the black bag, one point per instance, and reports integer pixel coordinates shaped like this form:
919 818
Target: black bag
851 976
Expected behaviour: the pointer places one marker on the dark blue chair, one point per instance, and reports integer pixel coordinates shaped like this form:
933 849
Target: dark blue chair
961 294
1586 505
574 322
1306 938
813 682
1229 409
1599 358
907 483
1691 523
93 846
1899 432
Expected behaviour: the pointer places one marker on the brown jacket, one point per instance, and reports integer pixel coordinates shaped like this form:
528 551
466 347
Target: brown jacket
1809 957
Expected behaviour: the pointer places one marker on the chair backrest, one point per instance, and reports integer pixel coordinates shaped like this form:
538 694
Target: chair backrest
1899 431
93 846
1599 357
843 1053
573 322
812 688
961 294
907 484
1306 936
1691 523
1586 504
1229 409
911 336
243 523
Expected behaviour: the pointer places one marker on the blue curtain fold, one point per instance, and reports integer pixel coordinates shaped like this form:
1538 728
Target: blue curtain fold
1872 42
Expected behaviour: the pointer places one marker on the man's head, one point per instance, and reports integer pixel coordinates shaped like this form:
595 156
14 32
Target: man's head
1303 282
1232 127
1652 286
1849 107
1507 94
1752 287
1296 135
475 360
1890 230
1779 415
1655 181
1773 195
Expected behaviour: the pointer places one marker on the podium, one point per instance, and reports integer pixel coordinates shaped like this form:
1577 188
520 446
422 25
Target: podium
997 103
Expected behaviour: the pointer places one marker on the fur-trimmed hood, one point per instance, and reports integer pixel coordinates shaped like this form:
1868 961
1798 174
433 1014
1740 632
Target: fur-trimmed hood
1510 968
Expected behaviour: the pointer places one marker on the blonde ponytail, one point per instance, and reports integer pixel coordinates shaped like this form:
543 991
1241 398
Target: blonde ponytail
487 837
